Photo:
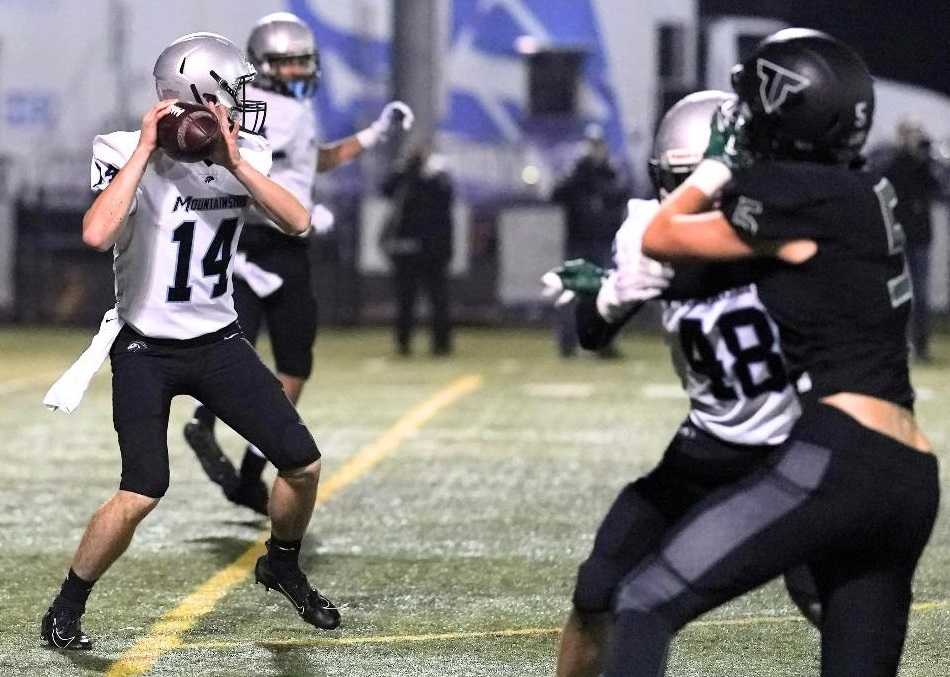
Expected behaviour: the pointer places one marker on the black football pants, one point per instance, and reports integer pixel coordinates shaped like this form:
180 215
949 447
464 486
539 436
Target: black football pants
857 506
222 371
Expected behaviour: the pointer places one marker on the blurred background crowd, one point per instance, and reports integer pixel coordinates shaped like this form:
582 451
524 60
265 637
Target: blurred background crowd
533 121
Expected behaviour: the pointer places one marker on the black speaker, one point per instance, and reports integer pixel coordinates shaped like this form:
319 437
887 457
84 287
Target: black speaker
552 80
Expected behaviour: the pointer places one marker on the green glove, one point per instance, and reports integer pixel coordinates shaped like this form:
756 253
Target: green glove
581 276
727 143
576 276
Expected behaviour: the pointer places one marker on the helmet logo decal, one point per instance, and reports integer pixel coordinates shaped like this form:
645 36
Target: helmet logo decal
776 83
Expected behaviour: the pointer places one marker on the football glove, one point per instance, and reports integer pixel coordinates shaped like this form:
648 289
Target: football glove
727 143
627 287
636 278
394 113
573 277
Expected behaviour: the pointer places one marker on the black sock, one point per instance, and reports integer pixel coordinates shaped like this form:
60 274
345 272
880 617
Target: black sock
283 554
252 465
74 591
204 416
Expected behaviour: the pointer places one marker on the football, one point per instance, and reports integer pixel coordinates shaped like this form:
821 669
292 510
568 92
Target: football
188 133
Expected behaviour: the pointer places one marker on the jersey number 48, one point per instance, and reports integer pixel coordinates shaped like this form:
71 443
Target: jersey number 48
701 354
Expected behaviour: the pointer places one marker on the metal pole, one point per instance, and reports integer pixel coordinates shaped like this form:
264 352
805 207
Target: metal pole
416 62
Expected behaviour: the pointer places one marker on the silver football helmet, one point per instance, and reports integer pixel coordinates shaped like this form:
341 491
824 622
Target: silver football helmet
282 36
682 137
206 67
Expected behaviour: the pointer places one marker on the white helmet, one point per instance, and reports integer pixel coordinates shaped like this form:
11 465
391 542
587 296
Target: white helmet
284 36
208 67
682 137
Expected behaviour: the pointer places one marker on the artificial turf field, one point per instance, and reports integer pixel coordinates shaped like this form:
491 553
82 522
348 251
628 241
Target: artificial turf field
452 548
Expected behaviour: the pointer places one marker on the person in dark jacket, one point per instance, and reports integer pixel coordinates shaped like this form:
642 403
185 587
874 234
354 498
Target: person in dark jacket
418 241
910 171
594 199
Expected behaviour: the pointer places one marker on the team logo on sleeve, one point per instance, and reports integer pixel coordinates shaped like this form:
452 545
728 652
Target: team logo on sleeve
776 83
743 216
107 172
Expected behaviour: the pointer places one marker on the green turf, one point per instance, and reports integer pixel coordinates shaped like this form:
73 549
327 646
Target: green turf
475 524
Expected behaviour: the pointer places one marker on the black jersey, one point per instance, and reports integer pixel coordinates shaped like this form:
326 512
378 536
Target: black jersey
842 314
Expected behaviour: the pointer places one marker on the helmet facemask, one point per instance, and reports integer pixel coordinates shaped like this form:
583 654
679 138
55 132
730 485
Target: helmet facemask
300 86
233 97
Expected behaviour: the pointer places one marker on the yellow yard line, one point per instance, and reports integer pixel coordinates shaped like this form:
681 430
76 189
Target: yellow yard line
377 639
512 632
166 633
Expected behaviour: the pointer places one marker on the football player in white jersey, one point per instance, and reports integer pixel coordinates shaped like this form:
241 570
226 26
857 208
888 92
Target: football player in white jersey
272 276
726 352
173 230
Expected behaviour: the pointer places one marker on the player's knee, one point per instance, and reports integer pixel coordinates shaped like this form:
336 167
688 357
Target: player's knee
305 475
133 507
656 590
597 580
297 451
297 363
151 485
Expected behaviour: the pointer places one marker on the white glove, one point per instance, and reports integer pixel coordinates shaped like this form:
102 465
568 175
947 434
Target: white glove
637 278
631 285
321 220
379 130
553 288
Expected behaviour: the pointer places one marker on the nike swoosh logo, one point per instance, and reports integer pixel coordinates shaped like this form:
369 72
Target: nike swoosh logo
58 639
300 607
232 335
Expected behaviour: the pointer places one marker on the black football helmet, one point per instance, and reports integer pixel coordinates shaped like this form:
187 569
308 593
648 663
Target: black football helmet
804 95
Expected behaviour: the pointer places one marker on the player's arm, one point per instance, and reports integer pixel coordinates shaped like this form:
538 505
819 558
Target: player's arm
593 331
336 153
277 202
688 227
103 222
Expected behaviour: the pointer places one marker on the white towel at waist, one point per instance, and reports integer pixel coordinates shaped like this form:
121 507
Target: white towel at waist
67 392
262 282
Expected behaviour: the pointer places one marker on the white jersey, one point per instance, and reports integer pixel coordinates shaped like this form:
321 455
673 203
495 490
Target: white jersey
291 131
726 352
174 258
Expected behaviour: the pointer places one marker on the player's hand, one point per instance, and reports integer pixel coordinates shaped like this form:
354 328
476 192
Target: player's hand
148 140
636 278
727 142
573 277
225 151
395 114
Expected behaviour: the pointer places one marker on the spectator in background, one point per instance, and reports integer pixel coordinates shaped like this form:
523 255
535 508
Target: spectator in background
594 198
910 170
417 238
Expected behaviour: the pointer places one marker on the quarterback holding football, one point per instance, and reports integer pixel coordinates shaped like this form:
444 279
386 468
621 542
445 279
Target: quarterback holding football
173 228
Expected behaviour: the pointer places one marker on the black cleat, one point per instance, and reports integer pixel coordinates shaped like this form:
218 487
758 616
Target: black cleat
216 465
62 630
310 604
251 494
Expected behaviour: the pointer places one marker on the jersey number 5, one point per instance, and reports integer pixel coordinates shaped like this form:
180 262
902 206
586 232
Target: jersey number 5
701 354
214 262
899 287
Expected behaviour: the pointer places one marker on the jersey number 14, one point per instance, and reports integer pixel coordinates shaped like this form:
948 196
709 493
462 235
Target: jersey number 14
214 262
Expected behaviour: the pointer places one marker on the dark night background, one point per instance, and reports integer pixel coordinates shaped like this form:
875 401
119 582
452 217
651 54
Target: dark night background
908 41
